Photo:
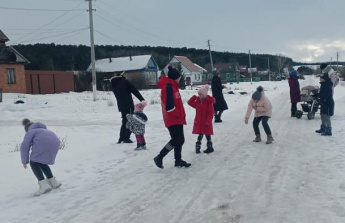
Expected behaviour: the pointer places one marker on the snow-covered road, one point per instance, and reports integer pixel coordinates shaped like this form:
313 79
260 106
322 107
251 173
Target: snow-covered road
298 178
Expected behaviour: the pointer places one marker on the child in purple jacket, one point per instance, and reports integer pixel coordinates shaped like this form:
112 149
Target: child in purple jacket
44 145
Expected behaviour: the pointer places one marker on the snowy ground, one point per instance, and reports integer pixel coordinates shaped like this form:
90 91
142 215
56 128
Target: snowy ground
298 178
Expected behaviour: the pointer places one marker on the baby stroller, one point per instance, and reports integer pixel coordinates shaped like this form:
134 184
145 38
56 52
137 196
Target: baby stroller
310 105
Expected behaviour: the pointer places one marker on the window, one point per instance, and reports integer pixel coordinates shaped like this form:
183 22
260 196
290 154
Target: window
151 78
11 76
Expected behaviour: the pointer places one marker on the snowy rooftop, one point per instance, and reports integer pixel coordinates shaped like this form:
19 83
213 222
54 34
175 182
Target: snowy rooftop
120 64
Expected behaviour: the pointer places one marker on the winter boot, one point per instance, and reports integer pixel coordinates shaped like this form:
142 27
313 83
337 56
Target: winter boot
209 148
257 138
197 147
44 187
182 163
269 139
143 147
138 148
217 119
327 132
321 130
158 161
159 158
54 183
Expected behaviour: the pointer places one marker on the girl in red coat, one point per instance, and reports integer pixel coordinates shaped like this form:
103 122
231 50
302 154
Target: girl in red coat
174 117
203 117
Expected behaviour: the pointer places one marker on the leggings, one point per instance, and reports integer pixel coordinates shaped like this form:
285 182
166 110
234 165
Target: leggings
39 169
208 137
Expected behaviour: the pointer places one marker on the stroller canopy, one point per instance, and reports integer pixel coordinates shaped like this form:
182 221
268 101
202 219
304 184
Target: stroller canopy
310 88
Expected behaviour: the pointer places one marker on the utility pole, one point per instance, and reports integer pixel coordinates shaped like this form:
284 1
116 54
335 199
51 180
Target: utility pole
92 51
269 75
337 60
250 65
209 49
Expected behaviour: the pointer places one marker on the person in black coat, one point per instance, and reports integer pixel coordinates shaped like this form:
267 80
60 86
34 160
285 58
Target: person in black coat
217 93
327 105
123 90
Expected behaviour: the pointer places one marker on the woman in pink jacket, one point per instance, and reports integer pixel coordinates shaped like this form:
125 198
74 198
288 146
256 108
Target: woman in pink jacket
263 111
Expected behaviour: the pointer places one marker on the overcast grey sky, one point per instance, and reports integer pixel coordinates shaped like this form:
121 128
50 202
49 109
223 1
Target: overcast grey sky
305 30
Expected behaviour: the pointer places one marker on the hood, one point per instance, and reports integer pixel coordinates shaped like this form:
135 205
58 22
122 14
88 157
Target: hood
38 125
116 80
263 96
165 80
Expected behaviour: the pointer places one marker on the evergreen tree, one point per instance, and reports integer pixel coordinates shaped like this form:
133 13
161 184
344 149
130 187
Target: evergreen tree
182 82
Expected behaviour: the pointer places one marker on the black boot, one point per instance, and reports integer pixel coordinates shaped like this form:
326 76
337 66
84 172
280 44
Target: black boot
197 147
120 141
209 148
182 163
327 132
321 130
158 161
217 119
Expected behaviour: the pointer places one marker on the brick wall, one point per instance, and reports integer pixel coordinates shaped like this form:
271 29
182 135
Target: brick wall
20 85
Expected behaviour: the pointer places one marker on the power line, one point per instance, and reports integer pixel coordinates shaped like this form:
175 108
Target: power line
47 37
68 0
14 34
121 11
69 19
65 13
124 25
70 36
45 10
133 27
107 36
36 28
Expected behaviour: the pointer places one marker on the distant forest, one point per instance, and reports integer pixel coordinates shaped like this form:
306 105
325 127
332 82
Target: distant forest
77 58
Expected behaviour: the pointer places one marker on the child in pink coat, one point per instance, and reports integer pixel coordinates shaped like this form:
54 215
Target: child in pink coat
203 105
263 111
136 123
